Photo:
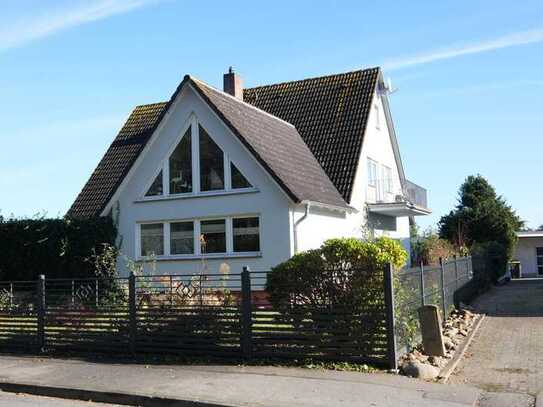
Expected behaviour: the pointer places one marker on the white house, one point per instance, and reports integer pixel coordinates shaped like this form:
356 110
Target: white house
252 176
529 253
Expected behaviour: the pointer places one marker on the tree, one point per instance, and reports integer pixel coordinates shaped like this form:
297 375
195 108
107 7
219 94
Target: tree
481 216
540 228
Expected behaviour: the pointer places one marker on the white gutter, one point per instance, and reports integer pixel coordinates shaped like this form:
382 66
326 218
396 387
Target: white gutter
347 209
296 223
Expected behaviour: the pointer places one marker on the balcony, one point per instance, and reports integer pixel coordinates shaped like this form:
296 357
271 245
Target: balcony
386 197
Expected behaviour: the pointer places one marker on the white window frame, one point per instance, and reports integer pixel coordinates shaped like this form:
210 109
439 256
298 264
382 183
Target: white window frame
387 179
197 232
377 116
193 123
375 164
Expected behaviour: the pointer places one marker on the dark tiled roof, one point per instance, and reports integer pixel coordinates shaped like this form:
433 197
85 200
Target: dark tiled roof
277 145
117 161
330 112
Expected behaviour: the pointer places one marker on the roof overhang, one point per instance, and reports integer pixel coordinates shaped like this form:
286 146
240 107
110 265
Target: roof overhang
534 234
334 208
398 209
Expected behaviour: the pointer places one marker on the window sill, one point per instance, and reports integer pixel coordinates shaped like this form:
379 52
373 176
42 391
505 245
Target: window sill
206 194
210 256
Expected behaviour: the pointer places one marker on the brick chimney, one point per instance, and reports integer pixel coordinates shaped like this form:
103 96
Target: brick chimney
232 84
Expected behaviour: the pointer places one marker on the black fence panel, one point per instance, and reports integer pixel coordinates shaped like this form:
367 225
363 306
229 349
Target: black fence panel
230 315
18 315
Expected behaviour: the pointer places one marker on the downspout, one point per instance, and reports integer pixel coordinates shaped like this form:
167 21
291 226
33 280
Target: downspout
296 227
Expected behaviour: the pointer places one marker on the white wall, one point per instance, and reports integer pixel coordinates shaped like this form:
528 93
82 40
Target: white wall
378 146
269 202
526 254
322 224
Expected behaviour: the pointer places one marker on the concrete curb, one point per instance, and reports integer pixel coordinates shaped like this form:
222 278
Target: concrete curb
102 397
449 367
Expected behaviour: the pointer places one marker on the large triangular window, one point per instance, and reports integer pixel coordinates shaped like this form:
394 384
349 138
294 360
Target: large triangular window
156 187
238 179
211 163
180 166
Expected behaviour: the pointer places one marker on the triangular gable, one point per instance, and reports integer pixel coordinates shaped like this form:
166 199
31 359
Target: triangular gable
275 144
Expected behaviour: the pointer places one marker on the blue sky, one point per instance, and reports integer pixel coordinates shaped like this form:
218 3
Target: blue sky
469 77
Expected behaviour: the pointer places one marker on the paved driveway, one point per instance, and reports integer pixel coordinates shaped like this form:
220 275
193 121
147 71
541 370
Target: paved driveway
506 355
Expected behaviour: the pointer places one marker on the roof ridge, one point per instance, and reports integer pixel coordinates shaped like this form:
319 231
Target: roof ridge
313 78
240 101
150 104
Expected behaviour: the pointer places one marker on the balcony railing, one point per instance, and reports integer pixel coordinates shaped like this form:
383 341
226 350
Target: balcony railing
388 196
416 194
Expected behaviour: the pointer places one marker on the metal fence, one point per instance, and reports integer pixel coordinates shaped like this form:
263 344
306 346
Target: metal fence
224 315
440 285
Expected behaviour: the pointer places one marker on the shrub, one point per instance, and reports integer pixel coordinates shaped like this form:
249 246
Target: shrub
58 248
429 248
342 273
489 261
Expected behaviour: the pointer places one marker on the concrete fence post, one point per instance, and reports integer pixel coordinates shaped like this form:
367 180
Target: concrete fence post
443 290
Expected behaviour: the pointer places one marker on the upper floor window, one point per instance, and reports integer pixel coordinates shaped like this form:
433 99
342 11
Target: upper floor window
387 179
372 173
156 186
377 116
211 163
181 166
197 164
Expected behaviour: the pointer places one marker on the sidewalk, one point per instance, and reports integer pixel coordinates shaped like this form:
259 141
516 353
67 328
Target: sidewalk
222 385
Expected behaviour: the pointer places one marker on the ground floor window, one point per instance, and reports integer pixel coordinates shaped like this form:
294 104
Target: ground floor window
539 259
152 239
199 237
213 236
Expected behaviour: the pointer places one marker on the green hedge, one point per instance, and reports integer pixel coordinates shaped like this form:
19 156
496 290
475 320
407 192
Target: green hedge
58 248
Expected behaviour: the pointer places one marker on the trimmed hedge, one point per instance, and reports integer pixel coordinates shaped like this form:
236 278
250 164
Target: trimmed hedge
58 248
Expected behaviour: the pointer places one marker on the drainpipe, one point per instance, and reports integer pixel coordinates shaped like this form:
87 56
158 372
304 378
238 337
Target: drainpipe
296 227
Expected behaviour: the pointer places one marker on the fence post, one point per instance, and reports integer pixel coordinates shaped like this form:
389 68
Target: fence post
246 314
41 312
456 271
132 312
390 317
443 291
422 293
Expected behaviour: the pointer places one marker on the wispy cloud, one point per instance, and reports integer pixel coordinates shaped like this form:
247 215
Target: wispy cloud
32 28
506 41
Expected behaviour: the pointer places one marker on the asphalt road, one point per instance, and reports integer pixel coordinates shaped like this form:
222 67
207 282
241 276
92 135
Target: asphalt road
21 400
